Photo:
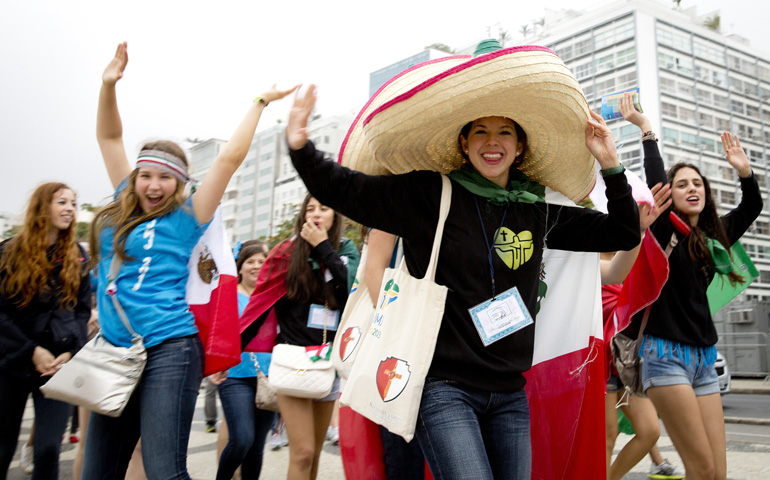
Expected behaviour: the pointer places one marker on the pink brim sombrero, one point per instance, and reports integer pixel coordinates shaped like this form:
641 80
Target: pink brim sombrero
413 121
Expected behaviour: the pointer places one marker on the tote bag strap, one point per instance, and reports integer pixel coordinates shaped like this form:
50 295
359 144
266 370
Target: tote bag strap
446 200
113 293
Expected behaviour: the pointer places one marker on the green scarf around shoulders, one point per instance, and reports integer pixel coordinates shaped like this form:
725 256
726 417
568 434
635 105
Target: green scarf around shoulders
520 187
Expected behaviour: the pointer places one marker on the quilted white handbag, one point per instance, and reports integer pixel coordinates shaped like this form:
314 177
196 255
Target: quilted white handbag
294 374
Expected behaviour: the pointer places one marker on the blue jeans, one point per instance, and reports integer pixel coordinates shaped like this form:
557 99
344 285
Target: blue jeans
403 461
468 433
50 423
248 427
160 411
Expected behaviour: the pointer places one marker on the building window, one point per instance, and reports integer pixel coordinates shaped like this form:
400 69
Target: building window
736 106
704 96
688 139
722 124
668 109
583 47
263 201
707 144
670 135
265 186
262 217
706 121
667 85
720 101
686 115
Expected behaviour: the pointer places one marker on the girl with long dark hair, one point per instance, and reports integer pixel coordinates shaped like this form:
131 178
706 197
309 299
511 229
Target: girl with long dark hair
679 349
315 269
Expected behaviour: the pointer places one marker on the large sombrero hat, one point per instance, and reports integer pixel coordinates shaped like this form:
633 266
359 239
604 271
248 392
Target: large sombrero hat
413 121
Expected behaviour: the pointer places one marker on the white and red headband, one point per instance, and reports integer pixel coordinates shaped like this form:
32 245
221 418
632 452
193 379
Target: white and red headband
163 161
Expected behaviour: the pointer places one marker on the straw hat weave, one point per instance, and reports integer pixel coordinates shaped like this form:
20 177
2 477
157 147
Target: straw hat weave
413 121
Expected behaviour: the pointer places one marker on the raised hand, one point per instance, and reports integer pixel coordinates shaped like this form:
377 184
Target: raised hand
600 142
662 195
630 113
275 94
117 65
735 154
296 128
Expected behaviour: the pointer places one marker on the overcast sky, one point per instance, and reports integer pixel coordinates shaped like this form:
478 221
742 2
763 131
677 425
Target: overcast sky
195 66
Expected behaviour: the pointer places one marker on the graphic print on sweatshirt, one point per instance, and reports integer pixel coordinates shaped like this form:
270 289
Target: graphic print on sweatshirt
515 249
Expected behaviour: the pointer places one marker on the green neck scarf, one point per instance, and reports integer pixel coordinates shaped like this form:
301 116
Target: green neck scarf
520 187
719 257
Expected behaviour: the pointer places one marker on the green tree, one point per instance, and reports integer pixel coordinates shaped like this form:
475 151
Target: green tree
82 229
13 231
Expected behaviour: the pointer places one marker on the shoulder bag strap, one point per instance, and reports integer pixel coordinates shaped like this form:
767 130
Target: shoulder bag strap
112 291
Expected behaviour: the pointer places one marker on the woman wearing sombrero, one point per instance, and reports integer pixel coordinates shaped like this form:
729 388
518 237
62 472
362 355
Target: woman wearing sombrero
504 125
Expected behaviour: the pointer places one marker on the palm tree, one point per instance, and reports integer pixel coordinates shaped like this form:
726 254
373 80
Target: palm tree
713 22
525 30
503 37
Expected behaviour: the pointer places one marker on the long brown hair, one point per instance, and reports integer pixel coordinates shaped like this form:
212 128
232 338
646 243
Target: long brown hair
301 283
25 264
125 213
709 225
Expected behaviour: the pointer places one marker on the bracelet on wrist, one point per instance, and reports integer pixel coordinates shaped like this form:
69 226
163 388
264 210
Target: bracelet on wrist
612 171
649 135
261 100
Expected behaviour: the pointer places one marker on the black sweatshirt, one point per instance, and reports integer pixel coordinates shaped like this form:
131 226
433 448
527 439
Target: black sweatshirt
407 206
43 322
681 313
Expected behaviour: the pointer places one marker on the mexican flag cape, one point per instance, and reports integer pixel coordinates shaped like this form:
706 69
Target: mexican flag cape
211 293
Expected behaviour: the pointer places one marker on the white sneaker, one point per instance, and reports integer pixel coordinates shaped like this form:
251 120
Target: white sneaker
665 470
27 459
333 435
275 441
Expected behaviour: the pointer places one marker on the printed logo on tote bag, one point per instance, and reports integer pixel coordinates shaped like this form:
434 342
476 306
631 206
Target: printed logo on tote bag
392 376
389 295
349 341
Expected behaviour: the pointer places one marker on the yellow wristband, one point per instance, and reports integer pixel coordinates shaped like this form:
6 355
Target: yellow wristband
261 100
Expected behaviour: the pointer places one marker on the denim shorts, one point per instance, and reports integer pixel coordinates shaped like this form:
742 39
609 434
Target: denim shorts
614 384
334 394
666 363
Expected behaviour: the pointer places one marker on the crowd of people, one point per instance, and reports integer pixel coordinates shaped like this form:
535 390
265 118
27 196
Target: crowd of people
501 150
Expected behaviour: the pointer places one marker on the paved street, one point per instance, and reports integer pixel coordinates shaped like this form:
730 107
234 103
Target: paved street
746 461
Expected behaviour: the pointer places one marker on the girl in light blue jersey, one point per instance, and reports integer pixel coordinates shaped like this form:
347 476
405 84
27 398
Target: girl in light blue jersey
153 228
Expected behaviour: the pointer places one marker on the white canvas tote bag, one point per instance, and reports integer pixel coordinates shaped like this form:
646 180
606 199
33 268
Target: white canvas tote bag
386 382
356 318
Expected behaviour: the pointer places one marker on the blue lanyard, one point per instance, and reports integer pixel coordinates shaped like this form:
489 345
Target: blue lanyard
494 241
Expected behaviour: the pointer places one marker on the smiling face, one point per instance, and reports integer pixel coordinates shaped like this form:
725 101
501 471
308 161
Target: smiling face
321 215
154 187
688 193
492 146
250 269
63 207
